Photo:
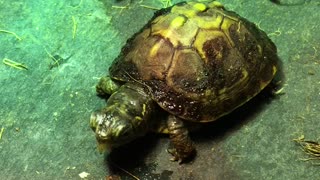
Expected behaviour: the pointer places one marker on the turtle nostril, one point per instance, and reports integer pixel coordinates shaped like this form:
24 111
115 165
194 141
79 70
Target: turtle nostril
101 134
96 118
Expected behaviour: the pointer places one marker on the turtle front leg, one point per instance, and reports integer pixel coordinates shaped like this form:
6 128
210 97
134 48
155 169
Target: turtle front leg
107 86
183 146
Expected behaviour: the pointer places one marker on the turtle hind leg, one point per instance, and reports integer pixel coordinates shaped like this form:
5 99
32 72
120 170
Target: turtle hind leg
107 86
276 86
183 147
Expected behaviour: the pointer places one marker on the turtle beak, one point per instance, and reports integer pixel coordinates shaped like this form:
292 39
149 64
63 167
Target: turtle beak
95 119
103 147
103 144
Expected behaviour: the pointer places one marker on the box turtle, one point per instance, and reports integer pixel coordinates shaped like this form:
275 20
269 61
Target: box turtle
196 61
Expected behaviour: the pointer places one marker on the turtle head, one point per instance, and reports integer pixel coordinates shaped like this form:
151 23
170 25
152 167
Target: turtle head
111 131
125 118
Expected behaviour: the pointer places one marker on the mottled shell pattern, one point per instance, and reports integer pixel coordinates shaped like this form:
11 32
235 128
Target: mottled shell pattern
198 61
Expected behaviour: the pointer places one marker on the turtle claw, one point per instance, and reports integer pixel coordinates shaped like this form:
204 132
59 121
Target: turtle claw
175 156
180 158
183 147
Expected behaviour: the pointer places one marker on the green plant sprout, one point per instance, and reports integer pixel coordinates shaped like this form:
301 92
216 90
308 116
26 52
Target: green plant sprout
14 64
1 132
311 148
74 29
12 33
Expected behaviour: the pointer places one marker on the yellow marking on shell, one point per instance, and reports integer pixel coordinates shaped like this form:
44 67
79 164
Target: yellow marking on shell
204 36
184 19
206 24
228 21
189 11
183 10
244 75
177 29
263 84
237 84
123 109
162 129
274 70
166 34
215 4
200 6
118 130
225 26
208 93
110 107
239 27
138 118
143 109
259 49
222 91
154 50
177 22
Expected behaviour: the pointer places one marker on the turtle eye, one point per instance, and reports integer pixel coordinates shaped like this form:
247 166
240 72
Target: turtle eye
125 134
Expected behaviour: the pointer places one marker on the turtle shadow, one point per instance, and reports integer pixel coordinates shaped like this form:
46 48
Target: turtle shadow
235 120
131 156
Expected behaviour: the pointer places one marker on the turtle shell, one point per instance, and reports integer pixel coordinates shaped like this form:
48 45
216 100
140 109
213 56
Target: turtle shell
199 61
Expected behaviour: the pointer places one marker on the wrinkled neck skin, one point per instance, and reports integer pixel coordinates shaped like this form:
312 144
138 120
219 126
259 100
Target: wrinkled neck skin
125 117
